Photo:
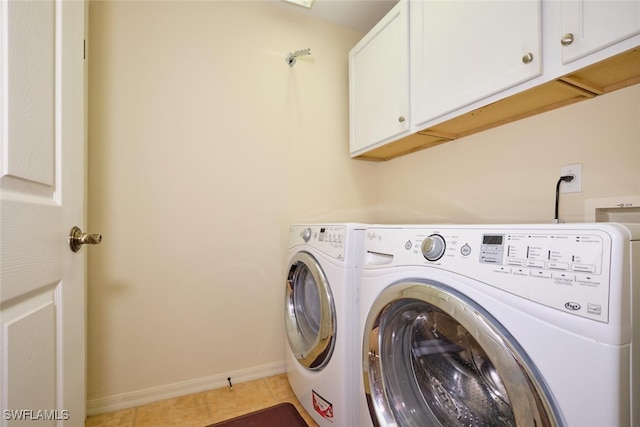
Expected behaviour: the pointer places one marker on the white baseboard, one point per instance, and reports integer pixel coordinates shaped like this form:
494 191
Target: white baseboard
154 394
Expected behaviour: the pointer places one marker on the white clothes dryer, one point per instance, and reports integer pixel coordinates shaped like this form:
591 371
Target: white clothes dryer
501 325
321 323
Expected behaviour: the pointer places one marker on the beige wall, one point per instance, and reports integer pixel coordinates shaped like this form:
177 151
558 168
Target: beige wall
508 174
204 146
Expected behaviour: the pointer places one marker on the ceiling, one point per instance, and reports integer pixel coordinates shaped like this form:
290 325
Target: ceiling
360 15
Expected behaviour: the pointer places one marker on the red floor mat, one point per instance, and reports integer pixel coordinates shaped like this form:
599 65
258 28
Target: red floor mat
282 415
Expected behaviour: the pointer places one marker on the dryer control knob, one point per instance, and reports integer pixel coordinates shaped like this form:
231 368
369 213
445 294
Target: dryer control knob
306 234
433 247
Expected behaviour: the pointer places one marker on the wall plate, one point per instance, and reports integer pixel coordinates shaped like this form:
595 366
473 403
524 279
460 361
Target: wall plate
574 186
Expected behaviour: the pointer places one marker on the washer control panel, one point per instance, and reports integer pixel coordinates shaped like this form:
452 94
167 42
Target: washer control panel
556 252
565 268
330 239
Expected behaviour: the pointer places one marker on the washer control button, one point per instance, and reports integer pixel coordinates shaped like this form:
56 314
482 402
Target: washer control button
465 250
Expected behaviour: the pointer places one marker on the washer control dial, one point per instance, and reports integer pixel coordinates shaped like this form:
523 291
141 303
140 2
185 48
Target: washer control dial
433 247
306 234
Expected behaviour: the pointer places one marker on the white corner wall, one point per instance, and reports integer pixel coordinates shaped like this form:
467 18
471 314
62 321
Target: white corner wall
204 145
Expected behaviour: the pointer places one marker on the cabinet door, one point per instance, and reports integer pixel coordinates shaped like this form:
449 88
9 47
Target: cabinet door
590 25
379 82
464 51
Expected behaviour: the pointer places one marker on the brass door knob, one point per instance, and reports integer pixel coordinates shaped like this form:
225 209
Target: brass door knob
77 238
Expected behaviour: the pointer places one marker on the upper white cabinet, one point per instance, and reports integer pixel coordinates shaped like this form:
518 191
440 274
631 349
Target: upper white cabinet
463 51
588 25
379 82
477 64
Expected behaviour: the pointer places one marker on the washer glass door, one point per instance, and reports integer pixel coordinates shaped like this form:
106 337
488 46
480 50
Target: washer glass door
434 357
310 315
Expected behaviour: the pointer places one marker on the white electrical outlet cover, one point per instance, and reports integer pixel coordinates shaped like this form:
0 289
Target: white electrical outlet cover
574 186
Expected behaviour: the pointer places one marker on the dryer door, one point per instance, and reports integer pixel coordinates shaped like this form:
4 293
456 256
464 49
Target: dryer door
310 314
434 357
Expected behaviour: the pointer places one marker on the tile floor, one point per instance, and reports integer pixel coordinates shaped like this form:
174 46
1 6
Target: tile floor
207 407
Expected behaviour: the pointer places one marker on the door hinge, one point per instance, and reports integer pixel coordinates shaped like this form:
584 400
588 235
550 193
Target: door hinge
84 49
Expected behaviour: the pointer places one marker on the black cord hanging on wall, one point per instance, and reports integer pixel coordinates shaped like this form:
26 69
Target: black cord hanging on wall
565 178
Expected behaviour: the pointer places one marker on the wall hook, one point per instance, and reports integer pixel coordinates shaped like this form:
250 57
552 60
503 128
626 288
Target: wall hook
291 58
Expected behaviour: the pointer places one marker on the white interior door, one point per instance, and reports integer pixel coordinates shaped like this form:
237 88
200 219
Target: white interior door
42 186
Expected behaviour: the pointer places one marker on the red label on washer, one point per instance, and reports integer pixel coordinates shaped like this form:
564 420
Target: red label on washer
322 406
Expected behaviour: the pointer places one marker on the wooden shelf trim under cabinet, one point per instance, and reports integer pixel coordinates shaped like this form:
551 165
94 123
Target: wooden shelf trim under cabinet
615 73
403 146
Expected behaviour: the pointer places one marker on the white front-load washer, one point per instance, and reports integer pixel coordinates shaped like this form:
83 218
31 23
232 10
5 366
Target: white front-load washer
501 325
322 284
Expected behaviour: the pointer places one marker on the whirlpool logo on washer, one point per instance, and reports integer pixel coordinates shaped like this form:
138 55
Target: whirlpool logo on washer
574 306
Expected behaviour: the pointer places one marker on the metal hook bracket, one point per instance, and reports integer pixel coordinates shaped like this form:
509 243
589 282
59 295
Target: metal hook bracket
291 58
